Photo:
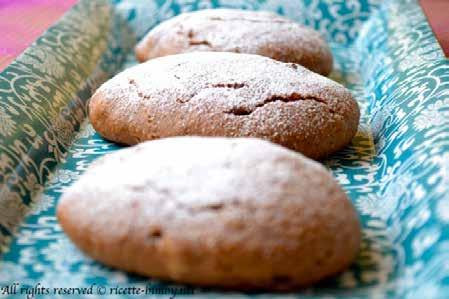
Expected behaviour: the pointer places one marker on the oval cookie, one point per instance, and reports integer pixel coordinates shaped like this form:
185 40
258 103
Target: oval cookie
237 213
239 31
226 94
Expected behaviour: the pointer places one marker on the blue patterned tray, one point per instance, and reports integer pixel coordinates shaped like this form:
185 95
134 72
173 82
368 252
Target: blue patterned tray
396 171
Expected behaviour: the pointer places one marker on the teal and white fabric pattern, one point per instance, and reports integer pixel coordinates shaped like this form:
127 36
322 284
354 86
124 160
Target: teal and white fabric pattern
396 171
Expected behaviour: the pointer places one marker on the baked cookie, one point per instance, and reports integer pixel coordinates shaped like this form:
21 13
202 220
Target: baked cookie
240 31
237 213
226 94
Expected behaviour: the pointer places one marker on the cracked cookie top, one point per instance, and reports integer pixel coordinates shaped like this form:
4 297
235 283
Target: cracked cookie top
226 94
239 31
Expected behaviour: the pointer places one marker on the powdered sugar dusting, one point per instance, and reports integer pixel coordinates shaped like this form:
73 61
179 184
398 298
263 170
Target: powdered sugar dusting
194 168
185 203
232 30
223 94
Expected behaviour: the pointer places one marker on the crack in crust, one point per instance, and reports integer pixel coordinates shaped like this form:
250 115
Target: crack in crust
242 110
229 85
192 42
200 42
294 97
133 83
218 85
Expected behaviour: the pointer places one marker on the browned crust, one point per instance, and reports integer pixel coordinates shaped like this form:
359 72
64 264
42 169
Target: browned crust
239 31
216 96
274 219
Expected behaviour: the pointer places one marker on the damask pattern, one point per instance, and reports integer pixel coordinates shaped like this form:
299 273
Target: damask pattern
396 171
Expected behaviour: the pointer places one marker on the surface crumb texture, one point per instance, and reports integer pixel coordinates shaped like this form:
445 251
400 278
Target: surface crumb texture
226 94
236 213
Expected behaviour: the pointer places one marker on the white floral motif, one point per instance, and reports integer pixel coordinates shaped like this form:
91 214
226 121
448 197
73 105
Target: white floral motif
443 210
39 60
442 161
11 272
7 124
12 208
63 176
86 131
42 203
61 253
434 115
424 240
